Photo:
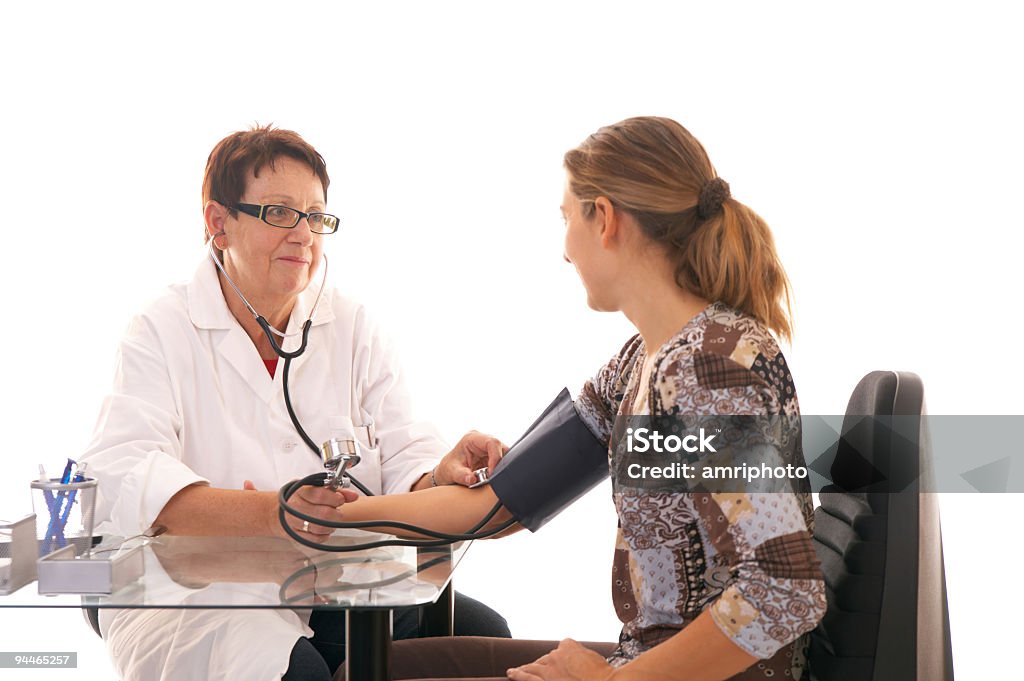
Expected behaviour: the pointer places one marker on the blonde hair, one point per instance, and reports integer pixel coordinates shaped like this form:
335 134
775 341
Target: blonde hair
655 170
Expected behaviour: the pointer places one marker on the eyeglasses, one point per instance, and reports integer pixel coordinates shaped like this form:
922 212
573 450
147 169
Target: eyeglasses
287 218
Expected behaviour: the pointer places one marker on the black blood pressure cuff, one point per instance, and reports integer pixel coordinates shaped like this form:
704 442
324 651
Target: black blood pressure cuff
553 464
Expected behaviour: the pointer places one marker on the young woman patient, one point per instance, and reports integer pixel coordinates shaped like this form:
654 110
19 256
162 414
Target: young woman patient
709 585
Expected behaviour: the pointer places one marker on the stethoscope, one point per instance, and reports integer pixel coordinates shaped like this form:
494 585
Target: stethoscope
288 356
262 321
318 479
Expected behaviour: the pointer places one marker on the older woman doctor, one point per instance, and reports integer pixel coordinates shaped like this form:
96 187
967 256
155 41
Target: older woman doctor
197 421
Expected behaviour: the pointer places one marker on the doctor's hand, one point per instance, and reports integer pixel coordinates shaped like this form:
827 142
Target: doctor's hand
312 500
475 450
568 662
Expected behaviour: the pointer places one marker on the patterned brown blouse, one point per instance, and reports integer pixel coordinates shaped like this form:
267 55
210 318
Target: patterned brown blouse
747 557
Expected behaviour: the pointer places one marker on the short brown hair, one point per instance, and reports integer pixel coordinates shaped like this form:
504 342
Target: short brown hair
655 170
243 154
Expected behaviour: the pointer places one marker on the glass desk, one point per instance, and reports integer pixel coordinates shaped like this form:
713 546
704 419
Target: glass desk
261 572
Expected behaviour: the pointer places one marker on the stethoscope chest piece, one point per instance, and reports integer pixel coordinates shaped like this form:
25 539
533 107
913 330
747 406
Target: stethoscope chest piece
338 456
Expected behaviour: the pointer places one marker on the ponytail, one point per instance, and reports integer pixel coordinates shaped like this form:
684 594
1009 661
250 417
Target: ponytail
731 258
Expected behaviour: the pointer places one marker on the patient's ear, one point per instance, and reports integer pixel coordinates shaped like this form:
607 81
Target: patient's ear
609 222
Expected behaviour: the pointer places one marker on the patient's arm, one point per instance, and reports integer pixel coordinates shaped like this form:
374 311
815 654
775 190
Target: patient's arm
452 509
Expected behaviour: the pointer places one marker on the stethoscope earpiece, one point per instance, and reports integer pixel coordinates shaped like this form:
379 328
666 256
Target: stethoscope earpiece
213 239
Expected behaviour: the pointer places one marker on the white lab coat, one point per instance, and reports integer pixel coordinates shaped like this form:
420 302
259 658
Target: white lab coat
192 401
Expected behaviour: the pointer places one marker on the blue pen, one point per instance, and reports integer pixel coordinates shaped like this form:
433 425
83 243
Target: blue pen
79 477
66 477
55 525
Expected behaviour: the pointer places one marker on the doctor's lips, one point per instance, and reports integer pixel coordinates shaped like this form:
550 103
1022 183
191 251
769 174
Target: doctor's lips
294 259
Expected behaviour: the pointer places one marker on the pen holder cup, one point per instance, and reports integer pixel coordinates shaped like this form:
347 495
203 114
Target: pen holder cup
64 514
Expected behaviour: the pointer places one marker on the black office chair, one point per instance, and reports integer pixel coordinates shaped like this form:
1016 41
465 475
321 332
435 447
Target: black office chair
878 538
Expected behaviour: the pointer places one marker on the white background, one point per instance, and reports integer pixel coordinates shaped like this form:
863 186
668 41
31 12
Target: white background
882 143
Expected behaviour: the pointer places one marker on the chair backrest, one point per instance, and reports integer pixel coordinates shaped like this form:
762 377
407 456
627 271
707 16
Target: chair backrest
878 538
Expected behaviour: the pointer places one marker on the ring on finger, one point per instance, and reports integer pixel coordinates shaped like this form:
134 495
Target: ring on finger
305 526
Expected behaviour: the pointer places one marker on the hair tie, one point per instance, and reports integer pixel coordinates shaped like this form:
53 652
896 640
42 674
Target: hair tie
712 195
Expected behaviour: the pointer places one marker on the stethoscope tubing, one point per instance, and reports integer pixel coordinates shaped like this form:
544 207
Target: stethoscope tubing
286 492
442 538
288 356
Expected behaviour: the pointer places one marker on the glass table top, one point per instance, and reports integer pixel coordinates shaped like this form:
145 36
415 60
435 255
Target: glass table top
256 572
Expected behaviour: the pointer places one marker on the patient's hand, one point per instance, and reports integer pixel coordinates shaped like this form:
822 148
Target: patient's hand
569 662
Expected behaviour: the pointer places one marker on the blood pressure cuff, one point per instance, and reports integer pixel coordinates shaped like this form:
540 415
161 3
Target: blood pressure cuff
553 464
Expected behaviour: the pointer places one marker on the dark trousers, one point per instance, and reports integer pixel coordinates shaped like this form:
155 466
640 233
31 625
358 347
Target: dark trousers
318 658
470 658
